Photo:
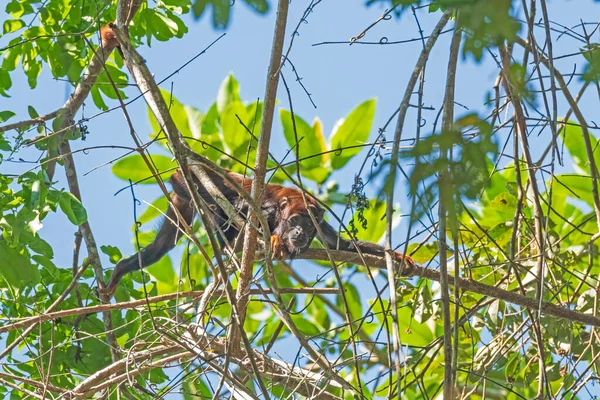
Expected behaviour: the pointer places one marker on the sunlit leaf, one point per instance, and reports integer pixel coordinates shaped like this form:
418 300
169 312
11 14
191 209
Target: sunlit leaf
352 132
73 208
309 143
135 169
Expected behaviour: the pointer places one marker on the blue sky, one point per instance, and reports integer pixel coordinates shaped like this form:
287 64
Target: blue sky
339 77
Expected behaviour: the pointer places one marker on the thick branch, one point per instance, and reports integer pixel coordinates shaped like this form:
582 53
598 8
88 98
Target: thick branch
129 305
463 284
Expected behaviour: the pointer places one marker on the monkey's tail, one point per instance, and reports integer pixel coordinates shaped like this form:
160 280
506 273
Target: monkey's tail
166 238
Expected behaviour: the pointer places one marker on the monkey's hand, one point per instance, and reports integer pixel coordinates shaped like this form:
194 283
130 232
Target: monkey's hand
407 264
278 249
107 291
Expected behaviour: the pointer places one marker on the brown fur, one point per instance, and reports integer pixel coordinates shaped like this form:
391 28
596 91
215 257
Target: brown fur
285 209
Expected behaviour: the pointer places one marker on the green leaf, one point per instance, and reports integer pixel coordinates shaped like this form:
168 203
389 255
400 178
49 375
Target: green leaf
15 267
198 8
572 135
413 332
424 254
422 308
182 116
311 147
97 98
591 70
164 275
4 145
352 131
44 262
164 27
577 186
194 267
235 135
260 6
6 115
221 11
12 25
353 300
40 246
229 92
72 208
157 209
134 168
374 217
5 83
32 112
113 253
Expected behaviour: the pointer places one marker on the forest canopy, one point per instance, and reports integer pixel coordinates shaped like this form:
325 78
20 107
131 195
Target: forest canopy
474 151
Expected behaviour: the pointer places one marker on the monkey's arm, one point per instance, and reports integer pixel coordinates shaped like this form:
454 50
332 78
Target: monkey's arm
335 242
170 231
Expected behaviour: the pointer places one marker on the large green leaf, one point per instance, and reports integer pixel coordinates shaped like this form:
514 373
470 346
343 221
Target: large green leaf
235 135
15 267
352 131
229 92
412 332
134 168
164 275
6 115
311 147
577 186
374 221
158 208
572 135
73 208
208 131
182 115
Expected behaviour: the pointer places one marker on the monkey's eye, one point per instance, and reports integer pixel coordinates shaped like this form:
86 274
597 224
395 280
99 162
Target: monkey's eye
294 220
317 213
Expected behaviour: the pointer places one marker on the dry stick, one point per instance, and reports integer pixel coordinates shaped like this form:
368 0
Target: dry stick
20 389
26 123
450 351
584 128
392 178
128 305
585 131
120 365
262 155
181 150
537 208
463 284
272 369
68 112
32 382
530 18
52 306
323 362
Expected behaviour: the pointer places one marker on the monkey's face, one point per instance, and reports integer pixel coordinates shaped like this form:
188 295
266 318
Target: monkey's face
300 231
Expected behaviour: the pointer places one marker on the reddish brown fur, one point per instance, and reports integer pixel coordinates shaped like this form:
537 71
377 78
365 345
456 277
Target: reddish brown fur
286 210
108 37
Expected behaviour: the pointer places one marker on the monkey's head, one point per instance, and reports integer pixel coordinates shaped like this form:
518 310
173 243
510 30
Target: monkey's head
297 227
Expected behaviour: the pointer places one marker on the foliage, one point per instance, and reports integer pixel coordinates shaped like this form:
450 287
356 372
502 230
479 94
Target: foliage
469 142
486 23
57 42
221 10
503 351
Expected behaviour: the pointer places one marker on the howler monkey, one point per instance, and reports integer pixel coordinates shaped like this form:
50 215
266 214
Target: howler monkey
285 210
